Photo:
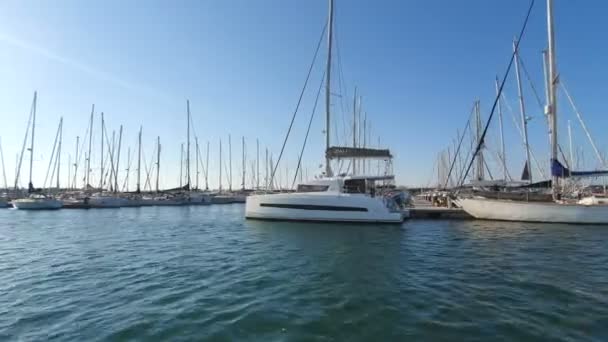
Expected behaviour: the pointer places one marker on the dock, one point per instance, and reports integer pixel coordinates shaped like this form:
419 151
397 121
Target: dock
425 210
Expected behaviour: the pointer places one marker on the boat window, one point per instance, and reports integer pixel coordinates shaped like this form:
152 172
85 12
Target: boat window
354 186
312 188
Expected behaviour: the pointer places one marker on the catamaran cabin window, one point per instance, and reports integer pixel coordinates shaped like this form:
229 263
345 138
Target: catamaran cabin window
312 188
354 186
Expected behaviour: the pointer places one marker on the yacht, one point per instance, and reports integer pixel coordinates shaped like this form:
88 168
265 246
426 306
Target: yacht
37 202
330 199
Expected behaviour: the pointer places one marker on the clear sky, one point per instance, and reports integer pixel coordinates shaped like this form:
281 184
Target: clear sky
418 64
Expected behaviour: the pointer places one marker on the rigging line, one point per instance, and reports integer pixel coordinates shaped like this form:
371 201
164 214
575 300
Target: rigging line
25 139
52 158
538 100
312 115
504 79
298 105
459 145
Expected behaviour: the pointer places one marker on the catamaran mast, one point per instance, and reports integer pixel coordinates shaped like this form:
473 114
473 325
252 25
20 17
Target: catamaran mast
552 105
330 25
522 110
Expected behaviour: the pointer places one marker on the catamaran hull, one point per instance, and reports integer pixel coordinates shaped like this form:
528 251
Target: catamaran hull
46 204
315 208
502 210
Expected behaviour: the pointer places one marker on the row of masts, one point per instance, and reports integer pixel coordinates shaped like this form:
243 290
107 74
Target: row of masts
110 158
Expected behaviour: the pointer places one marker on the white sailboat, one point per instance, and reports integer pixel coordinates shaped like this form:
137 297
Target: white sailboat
329 199
35 201
582 212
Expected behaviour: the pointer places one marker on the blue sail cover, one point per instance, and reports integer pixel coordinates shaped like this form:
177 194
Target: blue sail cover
559 170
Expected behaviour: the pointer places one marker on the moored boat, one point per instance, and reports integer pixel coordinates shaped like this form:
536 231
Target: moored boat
37 202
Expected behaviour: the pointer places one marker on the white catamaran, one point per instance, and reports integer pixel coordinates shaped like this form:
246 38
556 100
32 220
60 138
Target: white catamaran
331 198
583 212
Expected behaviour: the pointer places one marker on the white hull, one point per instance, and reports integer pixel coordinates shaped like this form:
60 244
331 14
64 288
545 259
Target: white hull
37 204
320 207
504 210
106 202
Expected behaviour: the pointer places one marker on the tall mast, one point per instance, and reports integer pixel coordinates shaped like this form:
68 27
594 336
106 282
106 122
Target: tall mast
101 175
128 169
31 185
59 150
522 110
502 137
207 169
138 189
266 171
157 162
257 163
354 129
76 163
570 143
364 137
112 173
480 163
330 29
118 159
69 171
188 147
197 160
220 188
230 163
243 163
89 153
181 166
552 105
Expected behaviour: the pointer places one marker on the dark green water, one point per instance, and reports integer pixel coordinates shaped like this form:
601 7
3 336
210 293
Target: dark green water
203 273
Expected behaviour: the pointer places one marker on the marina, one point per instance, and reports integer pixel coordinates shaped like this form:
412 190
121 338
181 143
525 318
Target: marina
316 171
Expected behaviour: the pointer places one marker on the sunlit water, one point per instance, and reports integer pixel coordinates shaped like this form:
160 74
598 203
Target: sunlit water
198 273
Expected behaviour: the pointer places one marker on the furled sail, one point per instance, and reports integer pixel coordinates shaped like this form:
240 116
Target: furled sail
559 170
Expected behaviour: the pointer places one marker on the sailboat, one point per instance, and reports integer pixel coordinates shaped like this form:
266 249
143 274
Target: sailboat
35 201
341 198
557 210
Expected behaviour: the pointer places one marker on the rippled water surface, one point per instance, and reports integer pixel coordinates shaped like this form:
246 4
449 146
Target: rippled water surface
199 273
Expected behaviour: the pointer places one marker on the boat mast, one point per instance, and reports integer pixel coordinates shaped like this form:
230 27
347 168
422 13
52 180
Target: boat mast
197 160
220 188
570 143
138 189
266 170
207 169
59 149
230 163
328 172
101 176
552 105
31 185
158 162
243 163
76 163
117 160
88 172
181 166
354 130
502 137
364 137
480 163
257 164
522 110
188 147
126 186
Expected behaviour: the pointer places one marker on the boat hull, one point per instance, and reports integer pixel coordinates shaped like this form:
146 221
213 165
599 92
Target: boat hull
38 204
504 210
320 208
106 202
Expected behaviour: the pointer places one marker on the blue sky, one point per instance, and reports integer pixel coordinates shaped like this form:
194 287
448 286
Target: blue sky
418 64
